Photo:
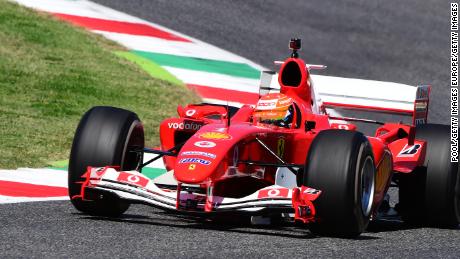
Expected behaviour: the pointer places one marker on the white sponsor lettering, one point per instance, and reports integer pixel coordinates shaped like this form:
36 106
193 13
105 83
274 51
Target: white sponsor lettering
198 153
266 104
311 191
184 126
409 151
281 102
205 144
194 160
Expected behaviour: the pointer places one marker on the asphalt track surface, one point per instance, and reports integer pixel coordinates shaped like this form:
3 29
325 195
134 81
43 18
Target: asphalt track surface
54 229
400 41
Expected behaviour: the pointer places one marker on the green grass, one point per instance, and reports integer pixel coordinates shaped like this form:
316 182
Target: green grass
52 72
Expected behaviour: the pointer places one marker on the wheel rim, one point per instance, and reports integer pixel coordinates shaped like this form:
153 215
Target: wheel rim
367 186
135 140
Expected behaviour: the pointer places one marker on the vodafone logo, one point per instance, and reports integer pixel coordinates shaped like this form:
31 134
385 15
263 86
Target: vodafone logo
186 126
343 126
273 193
134 178
190 112
205 144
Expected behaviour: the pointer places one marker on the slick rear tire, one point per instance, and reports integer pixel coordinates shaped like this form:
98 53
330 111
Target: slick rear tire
104 137
340 163
431 194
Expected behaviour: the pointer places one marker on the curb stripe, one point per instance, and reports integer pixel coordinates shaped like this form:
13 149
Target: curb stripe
153 69
220 93
43 176
215 80
13 199
151 44
202 64
153 173
18 189
119 27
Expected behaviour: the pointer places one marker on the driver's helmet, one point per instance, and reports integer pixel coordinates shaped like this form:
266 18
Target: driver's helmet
276 109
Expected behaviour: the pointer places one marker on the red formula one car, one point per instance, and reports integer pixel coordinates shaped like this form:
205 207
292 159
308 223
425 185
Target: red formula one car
284 155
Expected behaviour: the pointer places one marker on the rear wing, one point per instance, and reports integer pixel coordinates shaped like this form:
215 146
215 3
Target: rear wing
359 94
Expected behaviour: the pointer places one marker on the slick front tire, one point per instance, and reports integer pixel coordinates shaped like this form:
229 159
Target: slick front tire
431 194
105 136
340 163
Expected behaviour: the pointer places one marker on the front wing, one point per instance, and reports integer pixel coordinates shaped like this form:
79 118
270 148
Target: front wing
134 187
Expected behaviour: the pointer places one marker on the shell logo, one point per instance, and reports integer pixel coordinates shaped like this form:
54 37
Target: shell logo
215 135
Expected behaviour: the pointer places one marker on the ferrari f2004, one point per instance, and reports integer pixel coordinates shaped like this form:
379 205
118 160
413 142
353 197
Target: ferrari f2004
287 154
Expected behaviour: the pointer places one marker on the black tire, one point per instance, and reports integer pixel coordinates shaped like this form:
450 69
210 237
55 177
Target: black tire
336 163
431 194
104 136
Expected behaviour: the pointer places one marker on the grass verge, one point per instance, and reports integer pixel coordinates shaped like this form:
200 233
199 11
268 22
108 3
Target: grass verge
52 72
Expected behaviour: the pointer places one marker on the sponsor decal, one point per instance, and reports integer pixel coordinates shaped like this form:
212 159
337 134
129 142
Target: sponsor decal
205 144
132 179
266 104
273 193
409 151
184 125
343 126
190 112
98 171
198 153
192 167
273 102
194 160
285 101
215 135
311 191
